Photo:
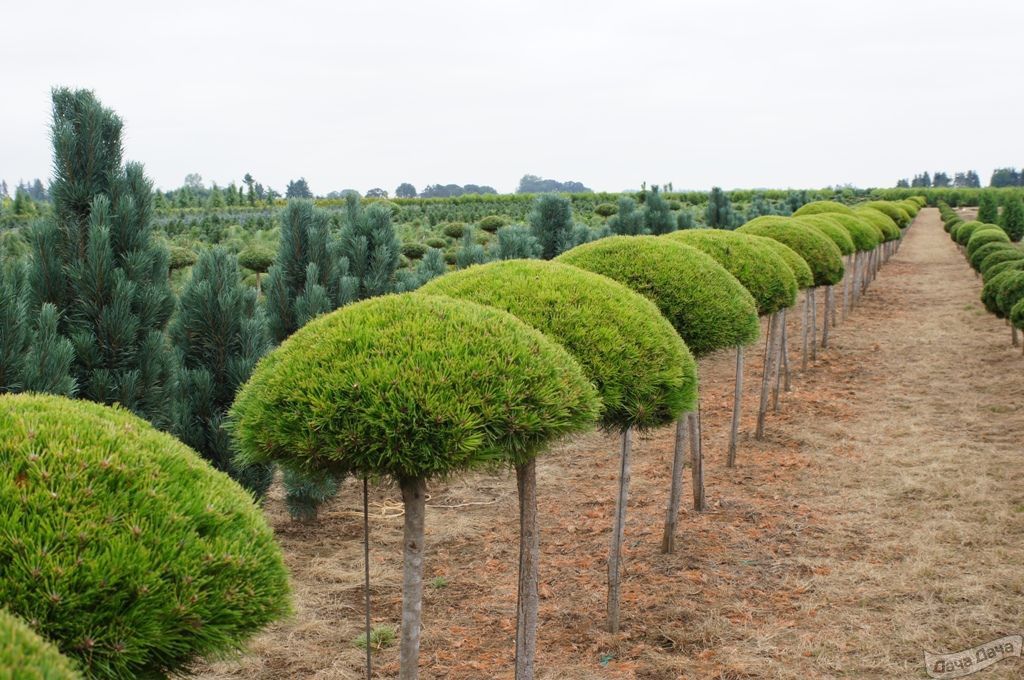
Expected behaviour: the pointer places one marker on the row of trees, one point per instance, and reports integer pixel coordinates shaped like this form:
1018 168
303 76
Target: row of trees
967 179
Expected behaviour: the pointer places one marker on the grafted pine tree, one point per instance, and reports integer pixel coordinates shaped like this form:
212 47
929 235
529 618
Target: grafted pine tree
220 334
95 261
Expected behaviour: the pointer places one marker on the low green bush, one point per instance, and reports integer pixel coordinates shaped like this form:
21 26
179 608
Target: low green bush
964 232
436 242
1000 267
410 386
1017 315
820 252
835 231
181 258
26 656
980 253
953 224
123 546
643 372
983 236
706 305
414 251
1009 293
453 229
817 207
997 256
606 209
492 223
762 271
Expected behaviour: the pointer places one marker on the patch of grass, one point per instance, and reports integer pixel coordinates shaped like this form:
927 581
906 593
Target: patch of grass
381 636
439 582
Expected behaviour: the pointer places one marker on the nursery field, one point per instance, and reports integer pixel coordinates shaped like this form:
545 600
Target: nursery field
881 516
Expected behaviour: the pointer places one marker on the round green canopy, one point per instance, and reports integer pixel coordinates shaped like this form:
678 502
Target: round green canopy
821 254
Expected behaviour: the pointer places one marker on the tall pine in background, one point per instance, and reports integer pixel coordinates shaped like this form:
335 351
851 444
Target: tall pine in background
719 213
1012 218
370 245
95 262
988 208
552 225
309 277
658 218
219 334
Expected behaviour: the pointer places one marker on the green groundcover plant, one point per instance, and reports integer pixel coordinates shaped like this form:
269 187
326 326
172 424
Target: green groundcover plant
26 656
761 270
820 252
124 547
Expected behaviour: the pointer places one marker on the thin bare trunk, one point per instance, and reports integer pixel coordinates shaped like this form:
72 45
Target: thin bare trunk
414 496
668 538
697 461
785 356
814 324
825 317
1013 336
366 570
779 359
734 429
618 531
846 286
766 375
805 326
832 305
529 557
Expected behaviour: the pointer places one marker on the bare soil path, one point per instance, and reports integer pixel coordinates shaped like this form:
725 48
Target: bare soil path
882 516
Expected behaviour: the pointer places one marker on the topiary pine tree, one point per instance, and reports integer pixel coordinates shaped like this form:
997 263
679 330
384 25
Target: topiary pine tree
369 243
552 225
220 334
1012 219
95 261
988 208
719 214
657 215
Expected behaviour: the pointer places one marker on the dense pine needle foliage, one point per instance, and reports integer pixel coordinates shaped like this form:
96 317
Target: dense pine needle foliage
123 546
26 656
820 252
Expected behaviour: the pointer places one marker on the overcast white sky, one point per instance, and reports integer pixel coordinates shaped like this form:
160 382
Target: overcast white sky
356 95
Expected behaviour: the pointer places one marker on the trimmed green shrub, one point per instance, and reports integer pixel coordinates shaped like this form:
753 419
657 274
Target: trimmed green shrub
953 224
26 656
123 546
644 373
892 210
911 207
889 227
437 242
1008 293
817 207
180 258
1017 314
798 265
706 305
963 233
605 209
988 207
820 253
762 271
865 236
839 235
1000 267
998 256
453 229
1012 218
983 236
414 251
982 252
256 258
410 386
492 223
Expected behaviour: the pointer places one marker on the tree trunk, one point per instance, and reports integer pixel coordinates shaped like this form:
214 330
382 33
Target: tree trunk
805 327
366 571
857 260
814 324
766 376
697 461
832 305
618 530
785 353
1013 336
846 285
529 558
668 538
414 496
780 353
825 317
736 405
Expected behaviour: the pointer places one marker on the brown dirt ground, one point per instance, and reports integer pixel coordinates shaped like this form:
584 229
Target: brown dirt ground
882 515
